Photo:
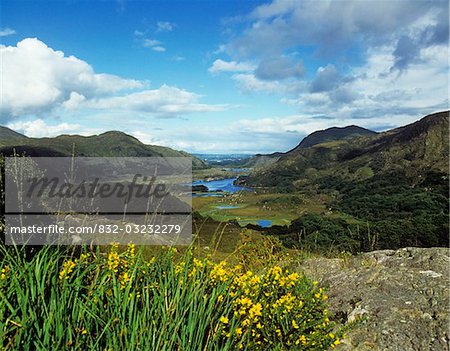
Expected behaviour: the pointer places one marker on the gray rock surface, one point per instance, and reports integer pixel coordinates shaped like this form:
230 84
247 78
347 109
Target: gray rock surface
399 299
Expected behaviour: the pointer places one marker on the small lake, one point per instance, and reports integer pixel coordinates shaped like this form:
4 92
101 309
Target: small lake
226 207
225 185
264 223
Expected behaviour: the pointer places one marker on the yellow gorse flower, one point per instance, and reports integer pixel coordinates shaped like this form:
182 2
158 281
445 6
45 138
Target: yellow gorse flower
131 251
124 279
113 261
5 271
67 268
219 273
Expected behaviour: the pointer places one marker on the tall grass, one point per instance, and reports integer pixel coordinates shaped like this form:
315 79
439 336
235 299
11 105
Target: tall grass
118 300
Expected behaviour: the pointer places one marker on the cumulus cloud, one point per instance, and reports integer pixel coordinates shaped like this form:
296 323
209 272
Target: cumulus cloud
6 32
378 58
230 66
376 91
37 80
164 102
333 26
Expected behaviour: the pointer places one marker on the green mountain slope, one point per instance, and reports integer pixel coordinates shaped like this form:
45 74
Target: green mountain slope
384 191
6 133
331 134
109 144
410 150
318 137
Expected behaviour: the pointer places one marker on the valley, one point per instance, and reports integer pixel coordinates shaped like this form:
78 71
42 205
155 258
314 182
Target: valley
339 189
345 189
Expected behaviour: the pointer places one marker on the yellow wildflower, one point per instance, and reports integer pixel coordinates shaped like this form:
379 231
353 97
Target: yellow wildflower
124 280
113 258
219 273
131 248
255 310
5 271
224 319
67 268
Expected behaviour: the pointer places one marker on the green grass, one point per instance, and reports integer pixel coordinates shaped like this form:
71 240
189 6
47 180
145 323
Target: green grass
121 300
280 208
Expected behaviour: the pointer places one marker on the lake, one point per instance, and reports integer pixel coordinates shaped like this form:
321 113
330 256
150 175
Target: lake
225 185
264 223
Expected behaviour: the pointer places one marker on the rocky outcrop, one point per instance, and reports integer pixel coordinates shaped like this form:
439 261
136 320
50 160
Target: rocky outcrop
399 300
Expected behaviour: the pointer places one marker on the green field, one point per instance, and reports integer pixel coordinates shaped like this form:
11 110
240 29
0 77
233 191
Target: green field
252 206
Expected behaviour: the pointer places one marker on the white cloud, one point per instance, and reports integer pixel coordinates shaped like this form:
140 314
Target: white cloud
163 26
39 128
159 48
231 66
37 78
166 101
332 26
6 32
148 43
400 67
153 44
249 83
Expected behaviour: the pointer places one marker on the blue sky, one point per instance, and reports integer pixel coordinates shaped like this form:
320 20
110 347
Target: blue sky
220 76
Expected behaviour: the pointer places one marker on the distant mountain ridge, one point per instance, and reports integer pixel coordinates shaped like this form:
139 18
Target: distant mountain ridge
332 134
108 144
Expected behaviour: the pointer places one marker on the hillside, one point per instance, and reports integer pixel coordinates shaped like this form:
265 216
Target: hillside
381 192
318 137
6 133
332 134
262 160
409 150
109 144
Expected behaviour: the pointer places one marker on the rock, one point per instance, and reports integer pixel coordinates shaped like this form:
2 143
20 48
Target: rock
399 299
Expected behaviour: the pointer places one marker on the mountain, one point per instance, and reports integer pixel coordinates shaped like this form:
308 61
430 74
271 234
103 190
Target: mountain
331 134
318 137
382 191
410 150
109 144
6 133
